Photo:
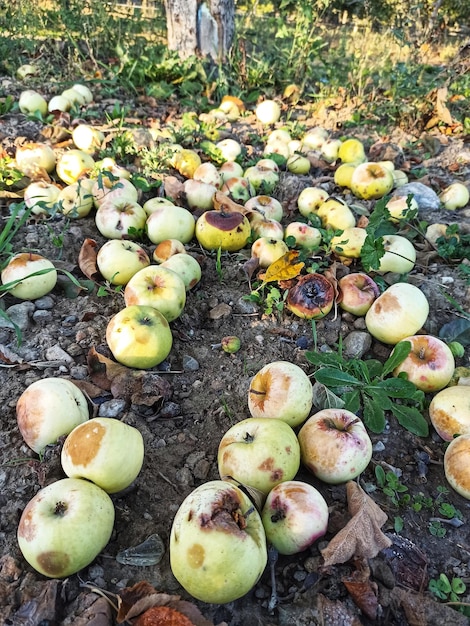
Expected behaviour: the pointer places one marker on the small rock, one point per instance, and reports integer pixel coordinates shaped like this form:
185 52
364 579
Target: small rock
46 303
356 344
56 353
245 307
190 364
95 571
184 477
42 317
426 197
112 408
79 372
19 314
221 310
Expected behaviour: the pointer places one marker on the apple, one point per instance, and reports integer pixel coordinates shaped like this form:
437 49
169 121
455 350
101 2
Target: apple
119 260
263 180
352 151
84 91
108 188
279 134
358 291
105 451
399 312
267 251
398 207
19 270
329 150
294 516
370 181
305 236
170 222
35 155
139 336
153 204
229 149
217 543
314 139
109 165
75 97
436 231
269 207
343 174
455 196
268 164
335 445
349 243
208 173
31 102
167 248
456 465
238 188
186 266
41 197
158 287
336 214
298 164
73 164
449 412
430 364
118 219
227 231
281 390
25 71
65 526
400 255
400 178
277 147
48 409
87 138
312 297
230 169
269 228
199 195
76 200
59 103
259 452
268 112
310 199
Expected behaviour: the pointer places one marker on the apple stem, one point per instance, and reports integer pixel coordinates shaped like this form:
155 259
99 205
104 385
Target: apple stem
273 555
60 509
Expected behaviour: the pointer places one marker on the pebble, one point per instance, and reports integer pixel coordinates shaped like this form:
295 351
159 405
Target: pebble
190 364
19 314
42 317
79 372
56 353
426 197
220 310
356 344
95 571
46 303
184 477
245 307
112 408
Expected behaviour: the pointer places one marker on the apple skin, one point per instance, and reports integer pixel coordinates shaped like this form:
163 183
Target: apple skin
314 139
349 243
217 543
87 138
105 451
31 101
230 149
336 214
208 173
398 207
335 445
115 219
312 297
262 227
294 516
352 151
20 267
119 260
259 452
343 174
73 164
139 336
199 195
230 169
358 291
455 196
269 207
228 231
105 189
399 312
153 204
371 181
48 409
238 188
263 179
281 390
158 287
430 364
170 222
305 236
310 199
166 249
268 112
186 266
268 251
449 412
34 155
41 197
400 255
456 465
65 526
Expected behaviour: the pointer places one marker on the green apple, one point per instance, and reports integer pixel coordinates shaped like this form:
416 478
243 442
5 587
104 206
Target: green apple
87 138
398 206
314 139
73 164
65 526
400 255
329 150
139 336
399 312
208 173
186 162
75 97
35 155
349 243
227 231
352 151
259 452
158 287
281 390
48 409
294 516
310 199
107 189
370 181
264 180
84 91
170 222
186 266
238 188
153 204
21 267
229 149
269 228
336 214
118 260
30 102
230 169
305 236
41 197
199 195
269 207
76 200
268 112
118 219
217 543
105 451
267 251
298 164
455 196
58 103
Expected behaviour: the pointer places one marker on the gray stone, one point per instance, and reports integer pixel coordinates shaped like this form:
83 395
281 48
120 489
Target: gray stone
112 408
190 364
56 353
45 303
356 344
426 197
42 317
18 314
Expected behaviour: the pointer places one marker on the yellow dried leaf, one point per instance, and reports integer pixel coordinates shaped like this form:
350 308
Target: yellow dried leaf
284 268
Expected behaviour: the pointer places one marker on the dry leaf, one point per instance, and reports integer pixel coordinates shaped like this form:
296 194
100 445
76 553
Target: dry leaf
284 268
174 188
408 564
362 590
362 536
250 267
335 612
224 204
87 259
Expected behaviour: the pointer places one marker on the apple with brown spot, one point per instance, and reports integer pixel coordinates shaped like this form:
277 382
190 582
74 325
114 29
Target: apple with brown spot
449 411
457 466
105 451
294 516
429 365
18 273
65 526
120 219
259 452
217 543
335 445
312 297
281 390
158 287
357 292
118 260
227 231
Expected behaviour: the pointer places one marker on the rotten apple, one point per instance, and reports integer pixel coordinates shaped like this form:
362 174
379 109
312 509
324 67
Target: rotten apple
312 297
227 231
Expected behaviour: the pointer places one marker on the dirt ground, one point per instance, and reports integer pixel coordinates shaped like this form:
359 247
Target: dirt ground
204 393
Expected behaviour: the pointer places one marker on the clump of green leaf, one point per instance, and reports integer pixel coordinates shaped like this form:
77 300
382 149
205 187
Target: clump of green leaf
450 590
363 387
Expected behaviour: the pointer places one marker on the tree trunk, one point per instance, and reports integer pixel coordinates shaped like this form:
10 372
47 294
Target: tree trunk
200 27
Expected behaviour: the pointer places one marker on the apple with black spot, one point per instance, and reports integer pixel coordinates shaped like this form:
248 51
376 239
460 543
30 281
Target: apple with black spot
227 231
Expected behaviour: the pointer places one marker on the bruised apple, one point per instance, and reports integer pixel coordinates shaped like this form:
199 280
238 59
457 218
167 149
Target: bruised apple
371 181
400 255
228 231
294 516
358 291
105 451
349 243
449 411
49 408
120 219
456 465
118 260
259 452
312 297
335 445
281 390
170 222
267 251
187 268
217 543
429 365
159 287
19 274
65 526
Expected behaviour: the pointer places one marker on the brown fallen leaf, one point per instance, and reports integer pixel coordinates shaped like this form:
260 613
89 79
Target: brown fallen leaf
362 590
284 268
335 612
224 204
407 562
362 536
174 188
87 259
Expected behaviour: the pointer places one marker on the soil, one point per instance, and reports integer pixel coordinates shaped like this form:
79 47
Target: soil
197 394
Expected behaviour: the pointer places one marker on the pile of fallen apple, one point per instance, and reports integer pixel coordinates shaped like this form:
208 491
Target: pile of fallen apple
219 536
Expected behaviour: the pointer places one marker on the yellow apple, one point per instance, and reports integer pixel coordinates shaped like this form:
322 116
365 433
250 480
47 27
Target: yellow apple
336 214
73 164
158 287
370 181
349 243
352 151
228 231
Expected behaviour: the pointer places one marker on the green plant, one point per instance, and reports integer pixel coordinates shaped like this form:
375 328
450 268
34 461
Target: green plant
391 486
449 590
218 264
363 385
